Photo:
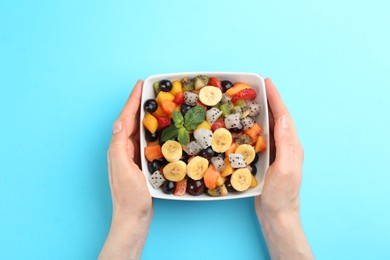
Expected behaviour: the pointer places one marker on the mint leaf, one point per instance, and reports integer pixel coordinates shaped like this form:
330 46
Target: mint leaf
183 136
177 118
194 117
169 133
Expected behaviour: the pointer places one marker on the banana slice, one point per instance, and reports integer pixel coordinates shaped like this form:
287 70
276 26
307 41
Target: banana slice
197 167
247 151
222 139
241 179
210 96
172 151
175 171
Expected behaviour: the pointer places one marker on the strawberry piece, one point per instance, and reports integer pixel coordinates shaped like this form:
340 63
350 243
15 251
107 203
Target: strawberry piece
163 121
213 81
247 93
181 187
220 123
179 98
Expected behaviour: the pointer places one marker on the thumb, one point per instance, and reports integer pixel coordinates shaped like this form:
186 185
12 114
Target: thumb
289 153
118 146
288 149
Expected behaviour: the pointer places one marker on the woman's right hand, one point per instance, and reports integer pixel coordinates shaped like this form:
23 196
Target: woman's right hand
278 206
132 204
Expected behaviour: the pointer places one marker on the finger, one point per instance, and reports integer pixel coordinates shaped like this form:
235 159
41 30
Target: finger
288 149
275 101
136 136
109 168
289 155
131 108
271 120
279 110
136 123
137 157
133 143
272 150
117 153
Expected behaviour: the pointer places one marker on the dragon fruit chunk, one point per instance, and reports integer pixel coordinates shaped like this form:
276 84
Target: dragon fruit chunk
247 122
203 137
190 98
156 179
237 160
192 148
213 114
218 163
232 120
255 109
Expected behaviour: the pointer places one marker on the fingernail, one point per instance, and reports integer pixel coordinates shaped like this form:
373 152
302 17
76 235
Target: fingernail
284 122
117 128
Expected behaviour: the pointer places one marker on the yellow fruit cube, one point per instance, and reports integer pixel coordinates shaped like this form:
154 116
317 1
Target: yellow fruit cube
228 168
253 182
205 124
150 123
221 180
164 96
260 145
176 87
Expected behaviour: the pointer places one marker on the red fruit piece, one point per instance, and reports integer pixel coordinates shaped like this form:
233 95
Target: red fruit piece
181 187
220 123
213 81
247 93
163 121
179 98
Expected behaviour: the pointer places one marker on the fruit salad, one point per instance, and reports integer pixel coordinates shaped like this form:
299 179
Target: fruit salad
202 136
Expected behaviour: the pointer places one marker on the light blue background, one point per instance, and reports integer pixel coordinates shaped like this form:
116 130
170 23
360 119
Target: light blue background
67 67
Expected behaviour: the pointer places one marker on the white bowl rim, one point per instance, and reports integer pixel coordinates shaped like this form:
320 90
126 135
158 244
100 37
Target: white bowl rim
157 193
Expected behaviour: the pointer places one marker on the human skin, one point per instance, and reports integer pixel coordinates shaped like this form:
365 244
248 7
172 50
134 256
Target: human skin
277 208
131 200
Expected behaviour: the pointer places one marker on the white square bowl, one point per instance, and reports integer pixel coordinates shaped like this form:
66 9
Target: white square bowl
252 79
